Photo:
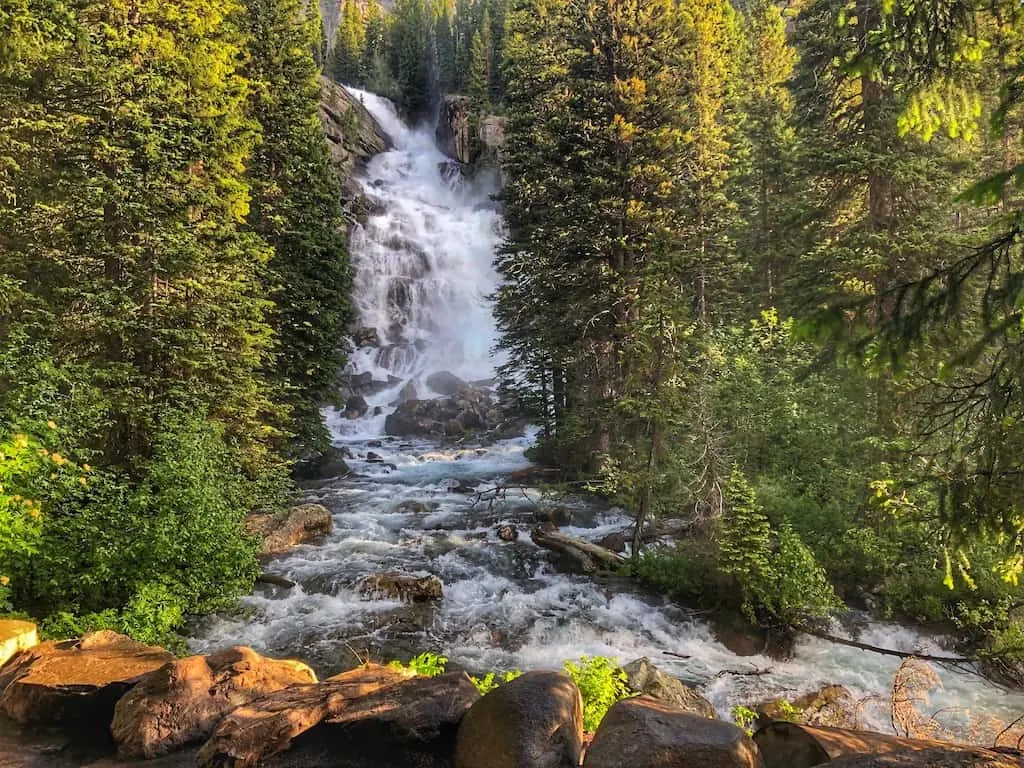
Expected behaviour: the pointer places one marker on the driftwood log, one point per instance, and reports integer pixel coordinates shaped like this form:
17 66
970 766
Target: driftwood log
588 556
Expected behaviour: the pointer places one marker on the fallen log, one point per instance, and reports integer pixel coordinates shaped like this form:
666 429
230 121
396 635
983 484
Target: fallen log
885 651
589 556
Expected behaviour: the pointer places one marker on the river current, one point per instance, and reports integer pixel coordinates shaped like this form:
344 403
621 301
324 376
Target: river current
423 272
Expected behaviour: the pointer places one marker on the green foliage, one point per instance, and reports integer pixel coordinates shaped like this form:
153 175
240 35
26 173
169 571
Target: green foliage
744 717
490 681
601 683
426 664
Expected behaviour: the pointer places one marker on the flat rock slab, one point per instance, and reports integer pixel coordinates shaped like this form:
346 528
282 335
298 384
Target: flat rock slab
181 702
75 684
534 721
645 732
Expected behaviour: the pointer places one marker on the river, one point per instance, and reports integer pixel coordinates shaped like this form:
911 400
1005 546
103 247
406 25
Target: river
423 271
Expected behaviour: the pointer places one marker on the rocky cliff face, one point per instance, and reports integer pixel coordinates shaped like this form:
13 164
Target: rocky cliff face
475 140
352 134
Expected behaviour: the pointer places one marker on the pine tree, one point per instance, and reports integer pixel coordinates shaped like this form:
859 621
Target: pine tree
296 209
349 53
411 36
481 66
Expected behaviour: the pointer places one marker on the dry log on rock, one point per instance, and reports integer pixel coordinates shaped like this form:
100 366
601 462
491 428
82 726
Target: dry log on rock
587 555
182 701
266 726
789 745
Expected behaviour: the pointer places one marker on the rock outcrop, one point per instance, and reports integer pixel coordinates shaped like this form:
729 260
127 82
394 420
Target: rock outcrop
453 128
643 677
281 531
181 702
645 732
401 586
75 684
353 135
534 721
832 706
446 383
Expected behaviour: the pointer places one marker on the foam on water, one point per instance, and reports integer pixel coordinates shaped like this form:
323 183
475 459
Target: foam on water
423 272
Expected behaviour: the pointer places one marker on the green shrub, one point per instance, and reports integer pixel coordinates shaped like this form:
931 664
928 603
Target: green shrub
601 683
425 664
744 717
490 681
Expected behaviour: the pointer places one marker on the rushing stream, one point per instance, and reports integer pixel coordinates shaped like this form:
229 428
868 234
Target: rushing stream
423 264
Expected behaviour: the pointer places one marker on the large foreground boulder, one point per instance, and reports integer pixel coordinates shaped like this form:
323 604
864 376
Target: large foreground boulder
282 531
643 677
182 701
366 709
75 684
790 745
401 586
645 732
534 721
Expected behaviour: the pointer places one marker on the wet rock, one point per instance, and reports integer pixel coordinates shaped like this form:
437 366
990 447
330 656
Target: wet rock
534 721
559 516
643 677
459 485
401 586
412 507
281 531
275 580
832 706
446 383
182 701
330 463
266 726
616 542
75 684
646 732
374 444
374 458
366 337
378 410
356 407
16 636
451 171
508 532
408 392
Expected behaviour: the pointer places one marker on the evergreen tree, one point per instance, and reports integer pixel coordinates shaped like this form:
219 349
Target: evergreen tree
411 55
348 57
481 66
296 208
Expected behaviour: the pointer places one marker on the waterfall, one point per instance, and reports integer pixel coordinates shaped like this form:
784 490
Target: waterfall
423 260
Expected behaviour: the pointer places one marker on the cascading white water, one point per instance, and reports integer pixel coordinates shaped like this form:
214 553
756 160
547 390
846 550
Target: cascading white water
423 271
423 259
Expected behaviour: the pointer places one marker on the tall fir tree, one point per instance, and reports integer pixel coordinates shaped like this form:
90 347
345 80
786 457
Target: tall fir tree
296 208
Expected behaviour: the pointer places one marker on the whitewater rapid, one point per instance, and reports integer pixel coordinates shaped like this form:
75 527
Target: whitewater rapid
423 271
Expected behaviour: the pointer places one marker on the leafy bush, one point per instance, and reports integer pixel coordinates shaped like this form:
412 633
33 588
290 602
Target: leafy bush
425 664
601 683
744 717
490 681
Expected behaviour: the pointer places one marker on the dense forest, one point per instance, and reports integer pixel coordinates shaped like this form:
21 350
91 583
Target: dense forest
761 278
